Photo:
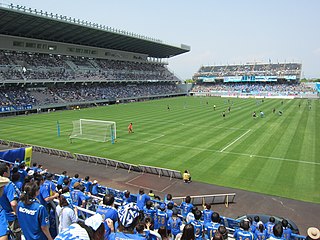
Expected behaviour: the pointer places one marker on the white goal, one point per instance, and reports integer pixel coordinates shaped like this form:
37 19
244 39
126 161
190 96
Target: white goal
95 130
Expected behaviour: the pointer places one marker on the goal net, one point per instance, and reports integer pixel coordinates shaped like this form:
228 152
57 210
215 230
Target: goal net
95 130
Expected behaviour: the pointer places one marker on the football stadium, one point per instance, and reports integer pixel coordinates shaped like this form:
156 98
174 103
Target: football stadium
83 99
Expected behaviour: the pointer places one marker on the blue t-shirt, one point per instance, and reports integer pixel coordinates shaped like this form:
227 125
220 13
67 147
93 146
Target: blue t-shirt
141 200
77 197
10 193
4 228
43 194
287 233
150 213
60 179
198 229
108 212
261 235
186 208
36 214
23 174
125 236
211 228
87 185
94 189
242 234
73 181
161 219
73 232
207 216
174 225
50 186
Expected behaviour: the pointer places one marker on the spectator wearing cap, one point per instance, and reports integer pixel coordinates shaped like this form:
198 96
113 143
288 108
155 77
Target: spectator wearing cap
91 229
128 218
313 233
4 227
244 231
33 216
277 232
142 199
66 212
161 219
9 201
213 226
108 210
286 230
74 180
174 223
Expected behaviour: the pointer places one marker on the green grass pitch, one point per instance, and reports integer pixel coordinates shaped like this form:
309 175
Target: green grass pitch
277 155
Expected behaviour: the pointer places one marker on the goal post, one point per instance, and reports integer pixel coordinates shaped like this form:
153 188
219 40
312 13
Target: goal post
95 130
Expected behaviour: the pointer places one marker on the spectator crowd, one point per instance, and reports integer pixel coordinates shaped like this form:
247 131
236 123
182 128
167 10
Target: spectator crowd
31 198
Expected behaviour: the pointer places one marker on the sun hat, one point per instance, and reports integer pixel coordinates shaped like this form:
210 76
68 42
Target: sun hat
127 214
3 181
94 221
313 233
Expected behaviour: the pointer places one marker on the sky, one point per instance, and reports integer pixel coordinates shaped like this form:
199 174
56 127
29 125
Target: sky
218 31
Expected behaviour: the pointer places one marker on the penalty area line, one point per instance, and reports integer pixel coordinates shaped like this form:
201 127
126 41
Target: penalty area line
235 140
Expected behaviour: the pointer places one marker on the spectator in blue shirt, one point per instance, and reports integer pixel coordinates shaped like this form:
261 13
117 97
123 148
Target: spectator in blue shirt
261 233
128 216
277 232
31 211
174 224
142 199
9 201
87 184
286 230
74 180
94 188
244 231
108 210
269 226
4 227
206 213
126 198
198 225
60 179
186 206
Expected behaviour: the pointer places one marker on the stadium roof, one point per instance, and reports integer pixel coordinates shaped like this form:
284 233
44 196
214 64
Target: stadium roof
30 23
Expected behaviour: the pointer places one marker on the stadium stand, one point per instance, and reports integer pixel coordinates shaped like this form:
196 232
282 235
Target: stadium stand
252 80
112 66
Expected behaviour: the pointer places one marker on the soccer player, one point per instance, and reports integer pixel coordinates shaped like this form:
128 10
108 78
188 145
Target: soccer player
254 115
223 114
130 129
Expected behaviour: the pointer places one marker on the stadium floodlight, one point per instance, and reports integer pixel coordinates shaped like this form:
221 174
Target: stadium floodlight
95 130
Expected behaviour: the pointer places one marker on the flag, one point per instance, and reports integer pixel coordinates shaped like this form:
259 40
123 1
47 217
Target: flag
24 154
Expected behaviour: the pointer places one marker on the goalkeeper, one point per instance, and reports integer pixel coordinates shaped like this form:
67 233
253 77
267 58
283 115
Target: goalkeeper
130 128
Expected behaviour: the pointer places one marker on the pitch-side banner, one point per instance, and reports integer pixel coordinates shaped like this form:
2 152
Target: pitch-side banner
24 154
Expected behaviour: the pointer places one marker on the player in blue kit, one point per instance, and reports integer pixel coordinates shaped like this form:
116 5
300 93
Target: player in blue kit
198 225
213 226
29 210
142 199
186 206
207 213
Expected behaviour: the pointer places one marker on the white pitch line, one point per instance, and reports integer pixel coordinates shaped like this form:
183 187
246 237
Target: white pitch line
154 138
235 140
